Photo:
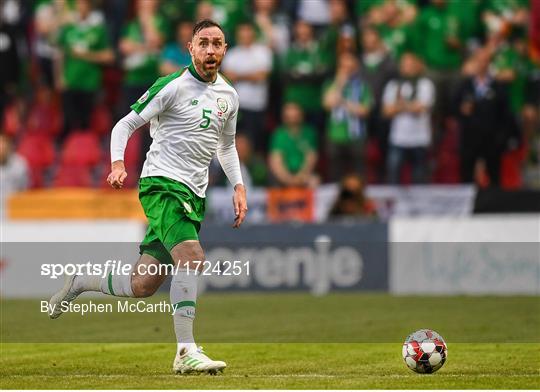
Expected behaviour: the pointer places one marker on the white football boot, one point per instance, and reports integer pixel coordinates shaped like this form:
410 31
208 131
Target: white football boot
196 362
65 295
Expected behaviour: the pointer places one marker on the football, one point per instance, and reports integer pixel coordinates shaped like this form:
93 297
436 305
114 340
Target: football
424 351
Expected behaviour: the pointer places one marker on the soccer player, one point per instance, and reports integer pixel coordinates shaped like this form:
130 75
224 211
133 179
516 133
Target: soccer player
192 115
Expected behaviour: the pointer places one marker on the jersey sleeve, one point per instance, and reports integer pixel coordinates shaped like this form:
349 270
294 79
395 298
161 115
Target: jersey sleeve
230 125
226 151
157 99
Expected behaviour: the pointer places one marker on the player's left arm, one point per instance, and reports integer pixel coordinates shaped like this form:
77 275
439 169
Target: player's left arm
229 161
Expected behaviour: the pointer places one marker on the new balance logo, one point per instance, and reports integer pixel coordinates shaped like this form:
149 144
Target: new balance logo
194 102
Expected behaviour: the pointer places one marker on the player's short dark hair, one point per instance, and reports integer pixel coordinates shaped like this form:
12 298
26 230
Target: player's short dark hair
204 24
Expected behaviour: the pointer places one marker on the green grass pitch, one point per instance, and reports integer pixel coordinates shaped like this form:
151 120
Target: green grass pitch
278 341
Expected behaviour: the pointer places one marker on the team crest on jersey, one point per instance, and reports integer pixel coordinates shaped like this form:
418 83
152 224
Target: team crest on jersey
222 104
144 97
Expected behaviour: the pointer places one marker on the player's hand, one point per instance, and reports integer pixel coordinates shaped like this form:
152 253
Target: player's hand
118 175
239 204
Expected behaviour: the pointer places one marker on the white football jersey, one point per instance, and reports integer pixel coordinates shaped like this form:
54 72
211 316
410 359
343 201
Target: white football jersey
187 118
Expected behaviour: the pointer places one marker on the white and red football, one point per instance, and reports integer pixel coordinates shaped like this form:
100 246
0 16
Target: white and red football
424 351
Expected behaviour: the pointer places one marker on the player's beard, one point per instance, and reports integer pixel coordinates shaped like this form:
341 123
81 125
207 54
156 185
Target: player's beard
208 72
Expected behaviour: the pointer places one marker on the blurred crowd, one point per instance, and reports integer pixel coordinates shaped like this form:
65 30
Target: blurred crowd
357 91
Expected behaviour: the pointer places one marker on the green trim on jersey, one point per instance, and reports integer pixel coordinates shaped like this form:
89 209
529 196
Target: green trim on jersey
226 79
158 85
194 73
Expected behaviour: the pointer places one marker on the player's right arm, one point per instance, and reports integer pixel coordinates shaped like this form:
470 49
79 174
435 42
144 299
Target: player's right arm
159 98
120 135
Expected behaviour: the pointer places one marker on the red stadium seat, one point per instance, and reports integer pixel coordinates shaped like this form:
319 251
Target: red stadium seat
39 152
44 119
81 149
73 176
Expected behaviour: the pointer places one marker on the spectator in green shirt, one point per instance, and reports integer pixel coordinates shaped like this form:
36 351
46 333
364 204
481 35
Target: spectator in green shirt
348 99
501 16
293 150
140 46
511 64
340 26
437 37
84 48
437 42
394 25
229 14
468 16
177 11
304 67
